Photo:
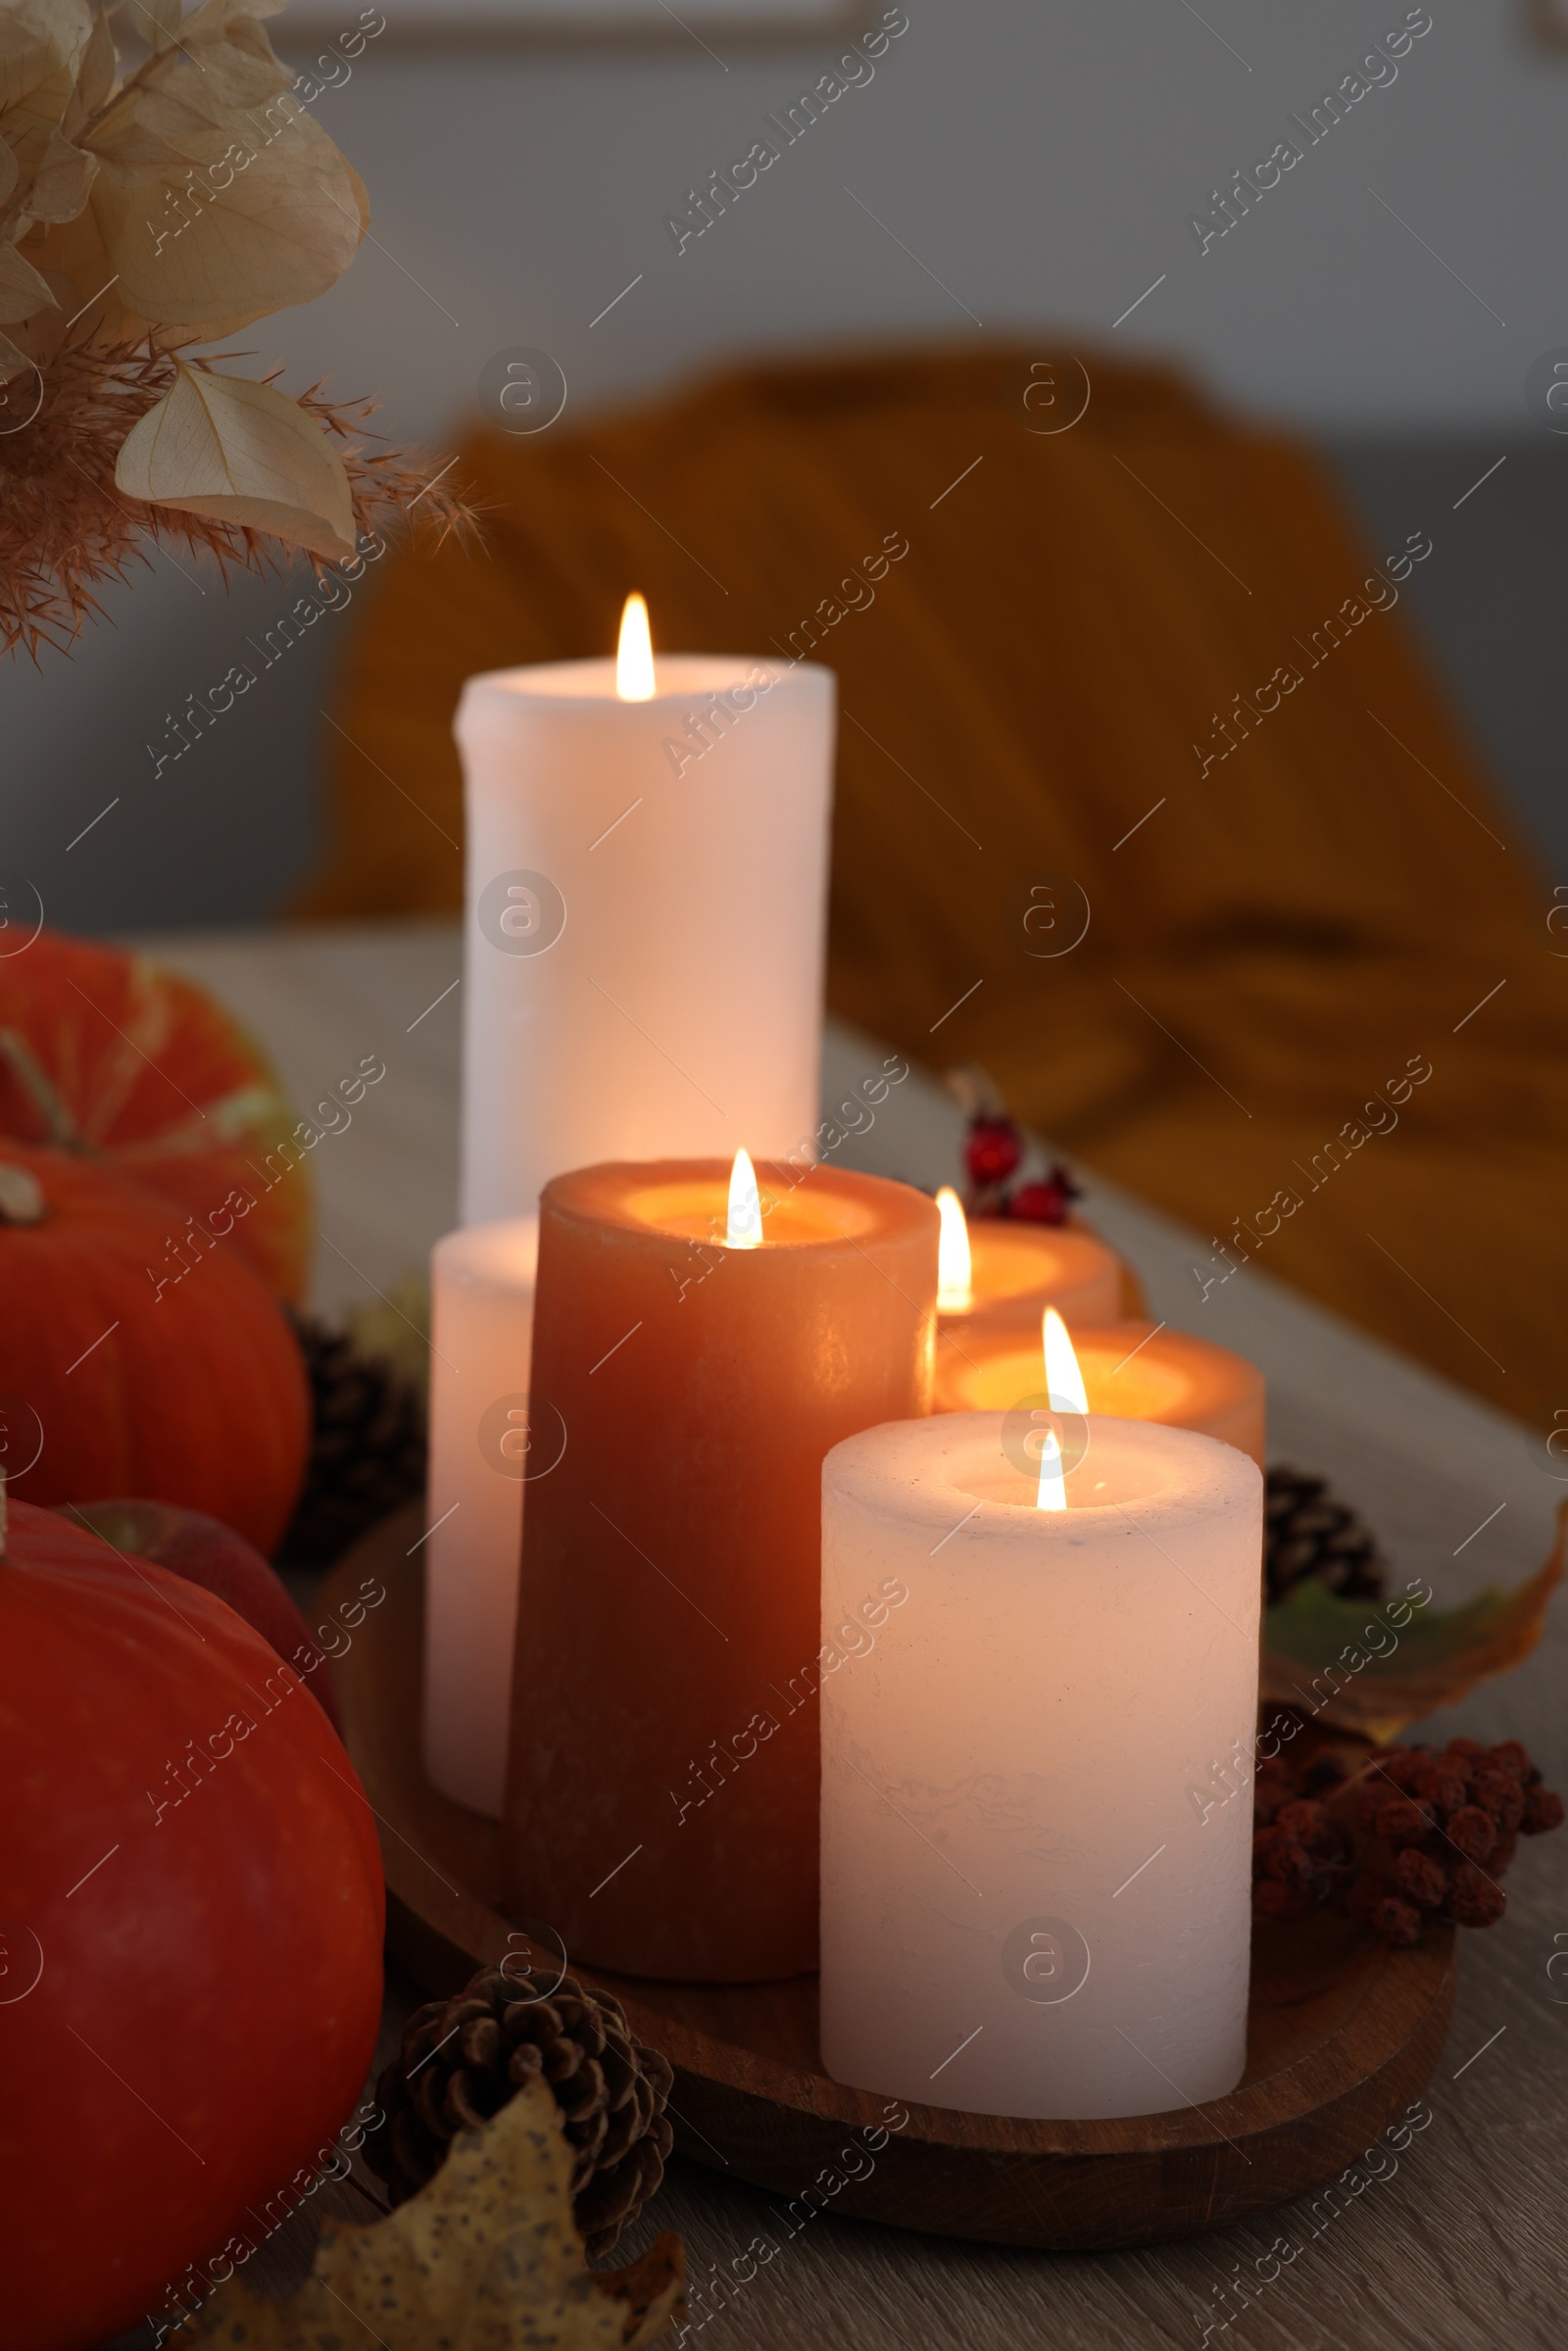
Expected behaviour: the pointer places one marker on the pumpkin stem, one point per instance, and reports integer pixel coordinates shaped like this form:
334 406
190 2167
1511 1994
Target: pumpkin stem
20 1196
59 1128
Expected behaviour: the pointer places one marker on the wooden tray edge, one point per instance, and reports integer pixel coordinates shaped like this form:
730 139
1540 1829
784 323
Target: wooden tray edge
988 2179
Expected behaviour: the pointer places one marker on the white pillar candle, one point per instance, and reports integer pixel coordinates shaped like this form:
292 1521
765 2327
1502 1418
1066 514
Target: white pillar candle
484 1447
1024 1910
647 883
646 899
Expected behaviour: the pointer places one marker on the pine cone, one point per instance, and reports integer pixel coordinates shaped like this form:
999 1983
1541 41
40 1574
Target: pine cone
1306 1533
462 2060
367 1445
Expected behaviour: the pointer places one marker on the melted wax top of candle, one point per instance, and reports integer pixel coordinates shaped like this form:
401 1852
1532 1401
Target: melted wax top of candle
1011 1260
1112 1475
1141 1390
700 1211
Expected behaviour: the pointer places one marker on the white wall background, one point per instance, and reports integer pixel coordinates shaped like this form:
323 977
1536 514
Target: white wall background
1039 157
1033 163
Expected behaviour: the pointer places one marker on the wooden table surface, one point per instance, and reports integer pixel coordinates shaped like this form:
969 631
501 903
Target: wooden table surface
1462 2247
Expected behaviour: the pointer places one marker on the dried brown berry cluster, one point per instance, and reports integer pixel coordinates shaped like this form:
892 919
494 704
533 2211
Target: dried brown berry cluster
1411 1833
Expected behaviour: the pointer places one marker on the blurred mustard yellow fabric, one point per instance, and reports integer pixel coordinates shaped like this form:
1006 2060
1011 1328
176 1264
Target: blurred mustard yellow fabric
1316 1010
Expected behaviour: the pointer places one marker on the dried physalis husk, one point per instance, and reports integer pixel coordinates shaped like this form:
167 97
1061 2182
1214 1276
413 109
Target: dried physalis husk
220 198
194 197
485 2257
22 290
41 45
240 452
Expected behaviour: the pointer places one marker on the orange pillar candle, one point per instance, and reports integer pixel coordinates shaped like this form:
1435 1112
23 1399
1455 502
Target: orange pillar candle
697 1366
1131 1370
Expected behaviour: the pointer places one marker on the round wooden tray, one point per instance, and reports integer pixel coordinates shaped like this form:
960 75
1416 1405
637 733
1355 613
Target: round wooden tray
1344 2032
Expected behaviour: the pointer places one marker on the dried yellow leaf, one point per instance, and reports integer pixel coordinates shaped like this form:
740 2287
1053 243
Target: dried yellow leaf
1438 1659
240 452
485 2257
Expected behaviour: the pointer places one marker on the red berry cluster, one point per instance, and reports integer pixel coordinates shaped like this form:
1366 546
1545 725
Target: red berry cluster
992 1150
993 1153
1414 1834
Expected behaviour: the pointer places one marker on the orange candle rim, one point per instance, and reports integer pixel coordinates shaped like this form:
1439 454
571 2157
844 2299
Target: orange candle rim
1215 1365
1063 1254
618 1193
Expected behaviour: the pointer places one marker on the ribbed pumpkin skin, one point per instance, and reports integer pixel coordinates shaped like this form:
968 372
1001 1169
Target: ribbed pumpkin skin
196 1397
204 1551
211 1974
108 1054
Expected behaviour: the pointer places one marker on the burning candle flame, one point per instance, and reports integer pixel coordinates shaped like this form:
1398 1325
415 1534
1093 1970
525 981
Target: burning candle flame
954 1290
634 655
1051 1493
745 1229
1064 1385
1064 1382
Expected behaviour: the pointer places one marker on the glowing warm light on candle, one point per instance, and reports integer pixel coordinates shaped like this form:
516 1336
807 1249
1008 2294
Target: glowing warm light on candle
1064 1385
1052 1493
1064 1382
634 655
745 1229
955 1279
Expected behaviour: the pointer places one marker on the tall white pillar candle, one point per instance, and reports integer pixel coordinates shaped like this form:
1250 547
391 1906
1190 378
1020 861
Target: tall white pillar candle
646 898
646 876
1024 1910
484 1447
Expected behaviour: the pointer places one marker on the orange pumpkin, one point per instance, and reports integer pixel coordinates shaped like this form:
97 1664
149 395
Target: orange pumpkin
190 1957
107 1055
116 1377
